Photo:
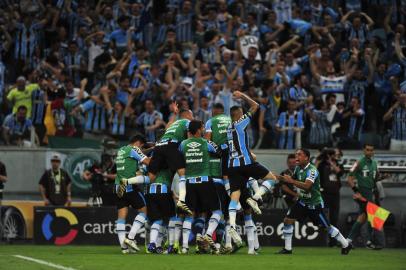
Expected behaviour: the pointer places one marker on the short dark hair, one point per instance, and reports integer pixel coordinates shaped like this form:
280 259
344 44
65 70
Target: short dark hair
290 156
218 106
182 111
305 151
357 99
318 103
234 109
123 18
194 126
138 138
330 95
22 107
368 144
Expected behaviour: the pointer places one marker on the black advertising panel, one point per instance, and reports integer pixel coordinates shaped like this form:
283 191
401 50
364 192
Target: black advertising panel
96 226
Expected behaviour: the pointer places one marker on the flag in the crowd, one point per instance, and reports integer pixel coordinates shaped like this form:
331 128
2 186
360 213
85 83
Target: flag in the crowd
376 215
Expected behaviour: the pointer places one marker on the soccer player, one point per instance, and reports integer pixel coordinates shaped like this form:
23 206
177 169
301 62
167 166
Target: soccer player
201 192
130 194
216 131
310 204
167 155
365 171
161 207
241 164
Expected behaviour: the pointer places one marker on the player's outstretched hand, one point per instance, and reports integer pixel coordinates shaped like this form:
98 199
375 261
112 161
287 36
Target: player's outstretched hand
174 107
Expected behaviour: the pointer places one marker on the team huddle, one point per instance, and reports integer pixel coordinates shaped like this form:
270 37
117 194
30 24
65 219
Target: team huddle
217 179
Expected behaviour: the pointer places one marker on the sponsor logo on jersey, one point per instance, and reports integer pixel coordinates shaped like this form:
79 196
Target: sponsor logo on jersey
193 145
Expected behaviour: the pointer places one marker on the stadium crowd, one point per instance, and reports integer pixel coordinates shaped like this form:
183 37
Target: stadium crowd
326 73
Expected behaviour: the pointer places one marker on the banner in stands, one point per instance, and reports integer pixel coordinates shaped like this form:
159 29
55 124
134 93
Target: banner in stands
247 42
88 226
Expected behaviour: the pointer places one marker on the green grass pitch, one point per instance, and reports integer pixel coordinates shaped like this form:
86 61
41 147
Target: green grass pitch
109 257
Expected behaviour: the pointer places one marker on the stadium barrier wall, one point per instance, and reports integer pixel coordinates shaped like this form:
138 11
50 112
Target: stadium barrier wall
96 226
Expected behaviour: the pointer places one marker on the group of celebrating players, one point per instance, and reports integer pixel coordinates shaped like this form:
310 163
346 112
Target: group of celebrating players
217 178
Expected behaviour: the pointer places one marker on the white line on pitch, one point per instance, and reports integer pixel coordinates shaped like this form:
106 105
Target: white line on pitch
57 266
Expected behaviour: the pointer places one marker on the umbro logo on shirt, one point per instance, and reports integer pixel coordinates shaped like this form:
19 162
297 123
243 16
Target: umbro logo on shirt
193 144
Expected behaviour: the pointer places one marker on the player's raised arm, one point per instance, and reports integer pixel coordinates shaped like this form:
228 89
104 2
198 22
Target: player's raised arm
208 130
254 106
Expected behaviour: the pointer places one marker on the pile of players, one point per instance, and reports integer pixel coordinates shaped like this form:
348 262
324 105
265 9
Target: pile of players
217 178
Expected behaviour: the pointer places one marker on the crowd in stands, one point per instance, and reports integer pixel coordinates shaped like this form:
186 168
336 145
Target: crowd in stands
326 73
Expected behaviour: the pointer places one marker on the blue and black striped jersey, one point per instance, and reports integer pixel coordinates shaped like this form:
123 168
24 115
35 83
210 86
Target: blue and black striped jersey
239 154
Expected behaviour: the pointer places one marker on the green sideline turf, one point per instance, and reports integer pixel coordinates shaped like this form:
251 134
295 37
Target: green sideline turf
109 257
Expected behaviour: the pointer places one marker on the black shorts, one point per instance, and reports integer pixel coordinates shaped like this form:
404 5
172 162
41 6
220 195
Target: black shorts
300 212
160 206
166 155
224 161
239 176
134 198
223 198
202 197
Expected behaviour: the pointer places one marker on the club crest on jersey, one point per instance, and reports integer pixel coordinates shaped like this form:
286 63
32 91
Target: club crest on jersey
193 145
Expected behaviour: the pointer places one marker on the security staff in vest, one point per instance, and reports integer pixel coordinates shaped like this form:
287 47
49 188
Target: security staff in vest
55 185
362 179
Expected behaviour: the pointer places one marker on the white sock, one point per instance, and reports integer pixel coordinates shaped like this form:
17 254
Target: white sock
178 230
147 228
227 236
264 188
182 188
232 211
287 234
161 236
213 222
171 231
140 179
335 233
120 229
187 227
249 229
256 241
227 186
156 226
139 221
253 184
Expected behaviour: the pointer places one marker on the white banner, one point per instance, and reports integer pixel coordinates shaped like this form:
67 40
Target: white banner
247 42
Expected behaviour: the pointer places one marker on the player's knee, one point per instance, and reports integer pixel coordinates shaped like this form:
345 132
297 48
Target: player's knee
288 221
248 212
143 210
122 213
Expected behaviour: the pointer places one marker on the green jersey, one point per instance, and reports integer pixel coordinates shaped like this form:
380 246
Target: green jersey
127 162
310 172
215 167
177 131
196 153
365 171
164 177
218 125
